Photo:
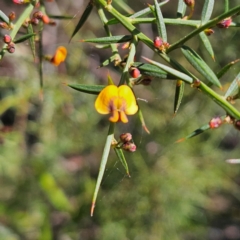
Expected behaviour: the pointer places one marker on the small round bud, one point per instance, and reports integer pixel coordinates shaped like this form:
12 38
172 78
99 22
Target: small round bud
209 31
157 42
45 19
129 146
4 25
126 137
237 125
12 16
134 72
7 39
34 21
225 23
11 47
38 15
215 122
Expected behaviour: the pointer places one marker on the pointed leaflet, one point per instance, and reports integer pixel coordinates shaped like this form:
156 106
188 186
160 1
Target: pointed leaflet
103 164
4 17
207 44
195 133
82 20
179 90
207 10
121 157
198 63
172 71
160 22
24 38
91 89
234 87
226 68
109 40
32 40
181 9
152 71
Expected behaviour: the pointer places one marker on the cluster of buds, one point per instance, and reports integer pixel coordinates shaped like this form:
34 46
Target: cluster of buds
6 25
225 23
160 44
126 142
10 45
39 16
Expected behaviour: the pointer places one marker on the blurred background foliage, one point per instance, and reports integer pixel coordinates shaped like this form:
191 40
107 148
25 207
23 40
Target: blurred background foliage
50 151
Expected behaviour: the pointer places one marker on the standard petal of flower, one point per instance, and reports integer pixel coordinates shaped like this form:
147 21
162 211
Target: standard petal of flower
59 56
131 105
104 103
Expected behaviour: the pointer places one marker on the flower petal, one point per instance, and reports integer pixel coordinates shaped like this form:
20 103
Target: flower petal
105 101
131 105
59 55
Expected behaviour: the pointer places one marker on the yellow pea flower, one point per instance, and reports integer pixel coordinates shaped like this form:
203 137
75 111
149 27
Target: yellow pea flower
117 101
59 56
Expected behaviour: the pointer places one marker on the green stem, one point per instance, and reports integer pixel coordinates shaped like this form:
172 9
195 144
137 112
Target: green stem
104 159
105 21
203 27
17 26
220 100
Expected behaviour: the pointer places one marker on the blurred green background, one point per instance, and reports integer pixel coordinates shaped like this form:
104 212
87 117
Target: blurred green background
50 151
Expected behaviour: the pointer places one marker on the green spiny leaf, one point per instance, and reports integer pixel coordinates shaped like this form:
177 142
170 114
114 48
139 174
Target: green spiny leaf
32 40
178 95
207 10
91 89
103 163
234 87
198 63
83 19
122 159
207 44
160 22
152 71
181 9
226 68
172 71
109 40
24 38
4 17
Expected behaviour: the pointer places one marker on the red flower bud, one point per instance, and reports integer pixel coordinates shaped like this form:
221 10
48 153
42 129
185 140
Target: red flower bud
225 23
130 147
134 72
12 16
11 47
34 21
157 42
38 15
215 122
126 137
7 39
